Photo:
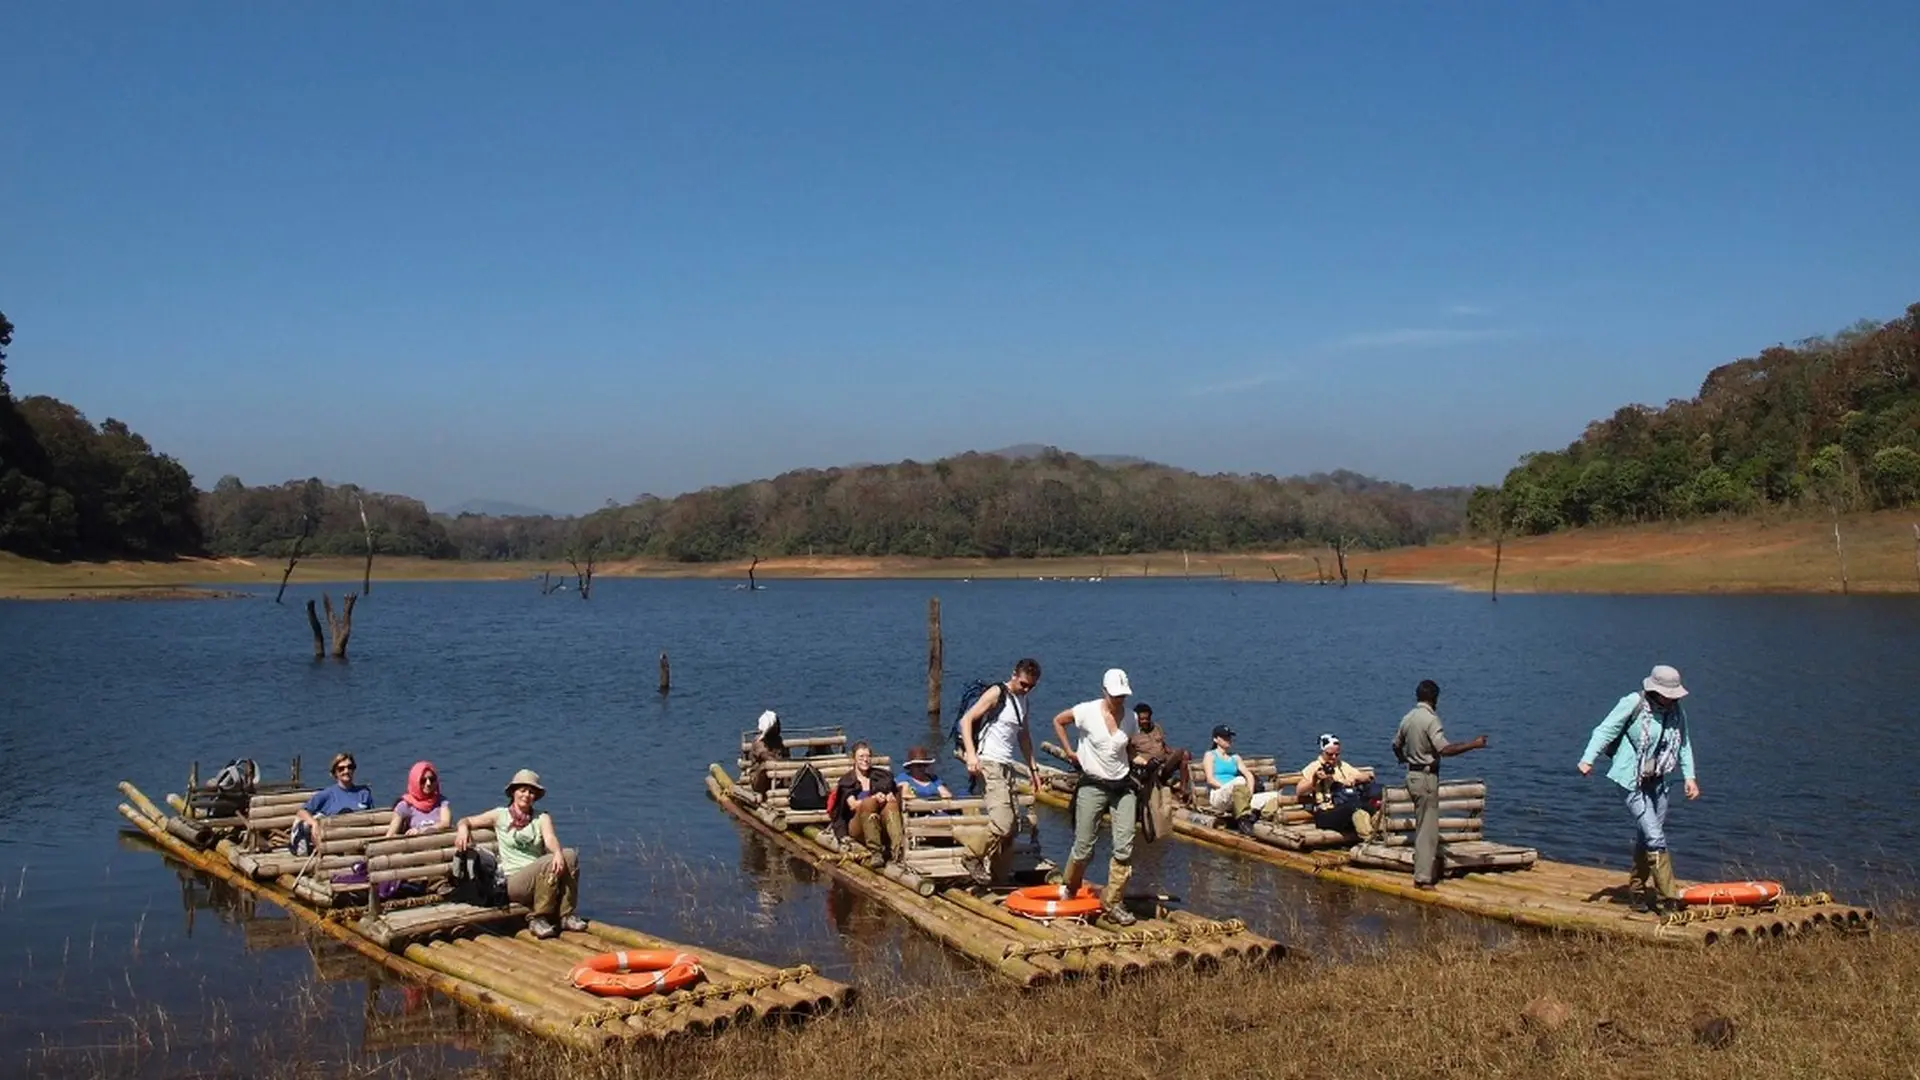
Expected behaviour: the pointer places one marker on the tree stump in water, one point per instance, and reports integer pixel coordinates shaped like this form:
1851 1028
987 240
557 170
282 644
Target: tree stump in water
339 627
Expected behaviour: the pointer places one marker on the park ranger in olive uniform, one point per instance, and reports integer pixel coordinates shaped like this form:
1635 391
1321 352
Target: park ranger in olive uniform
1419 745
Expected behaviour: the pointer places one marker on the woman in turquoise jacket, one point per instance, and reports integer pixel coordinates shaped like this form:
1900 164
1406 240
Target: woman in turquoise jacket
1648 739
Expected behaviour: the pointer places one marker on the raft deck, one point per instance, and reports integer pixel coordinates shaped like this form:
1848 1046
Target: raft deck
492 963
1529 891
973 921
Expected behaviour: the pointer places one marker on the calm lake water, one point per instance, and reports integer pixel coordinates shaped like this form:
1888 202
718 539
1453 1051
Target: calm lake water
1803 709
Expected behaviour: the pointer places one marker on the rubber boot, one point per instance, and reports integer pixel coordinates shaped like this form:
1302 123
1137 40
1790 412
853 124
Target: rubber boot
1070 881
1666 896
1642 871
1115 892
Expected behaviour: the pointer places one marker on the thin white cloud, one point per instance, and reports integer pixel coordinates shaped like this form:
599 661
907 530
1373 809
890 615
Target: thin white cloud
1413 338
1245 382
1466 311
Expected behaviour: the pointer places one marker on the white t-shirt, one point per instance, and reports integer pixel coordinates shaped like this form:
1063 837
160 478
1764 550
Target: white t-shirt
1102 753
999 738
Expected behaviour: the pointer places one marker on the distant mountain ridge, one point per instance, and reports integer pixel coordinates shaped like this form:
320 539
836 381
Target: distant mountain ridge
496 508
1026 450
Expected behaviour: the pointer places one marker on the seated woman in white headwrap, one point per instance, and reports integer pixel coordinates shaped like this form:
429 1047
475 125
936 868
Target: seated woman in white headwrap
767 747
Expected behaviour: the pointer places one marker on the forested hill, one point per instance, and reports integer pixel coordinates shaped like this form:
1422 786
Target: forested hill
1830 424
1049 503
68 488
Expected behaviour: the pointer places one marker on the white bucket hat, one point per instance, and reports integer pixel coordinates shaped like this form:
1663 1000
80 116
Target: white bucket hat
767 720
1114 682
1664 681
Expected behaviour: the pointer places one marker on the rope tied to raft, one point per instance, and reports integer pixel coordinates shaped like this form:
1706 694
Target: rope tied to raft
692 996
1120 939
1706 912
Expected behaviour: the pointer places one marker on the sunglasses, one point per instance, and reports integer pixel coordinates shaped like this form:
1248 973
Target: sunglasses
344 767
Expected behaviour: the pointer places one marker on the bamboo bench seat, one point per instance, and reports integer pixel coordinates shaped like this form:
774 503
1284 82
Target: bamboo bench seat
814 741
831 769
269 816
426 858
934 851
1463 848
1291 825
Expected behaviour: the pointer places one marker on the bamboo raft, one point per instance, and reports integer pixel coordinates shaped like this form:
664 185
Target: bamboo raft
932 892
483 958
1495 881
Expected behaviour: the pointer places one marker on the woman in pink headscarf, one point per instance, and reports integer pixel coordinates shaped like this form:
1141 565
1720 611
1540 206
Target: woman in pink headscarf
422 808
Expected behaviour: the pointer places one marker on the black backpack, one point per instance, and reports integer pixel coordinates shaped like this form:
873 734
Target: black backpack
967 698
808 790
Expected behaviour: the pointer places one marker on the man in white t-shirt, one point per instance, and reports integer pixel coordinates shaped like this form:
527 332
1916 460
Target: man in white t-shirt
995 754
1105 786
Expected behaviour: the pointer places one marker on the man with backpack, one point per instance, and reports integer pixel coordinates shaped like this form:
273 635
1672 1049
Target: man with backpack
995 753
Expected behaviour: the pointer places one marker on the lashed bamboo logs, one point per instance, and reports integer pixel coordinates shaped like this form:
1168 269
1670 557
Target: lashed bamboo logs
943 921
475 997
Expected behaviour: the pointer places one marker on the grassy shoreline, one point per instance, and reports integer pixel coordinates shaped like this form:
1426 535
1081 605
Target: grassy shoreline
1792 555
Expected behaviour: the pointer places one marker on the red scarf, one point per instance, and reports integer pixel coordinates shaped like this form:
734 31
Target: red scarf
416 795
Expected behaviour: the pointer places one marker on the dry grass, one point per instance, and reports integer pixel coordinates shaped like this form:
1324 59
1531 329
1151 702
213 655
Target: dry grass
1826 1006
1745 555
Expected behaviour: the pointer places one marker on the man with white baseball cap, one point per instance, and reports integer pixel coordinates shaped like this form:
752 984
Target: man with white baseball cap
1648 738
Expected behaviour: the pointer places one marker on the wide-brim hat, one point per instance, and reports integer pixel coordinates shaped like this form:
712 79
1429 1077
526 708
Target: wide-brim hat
918 755
1665 681
526 778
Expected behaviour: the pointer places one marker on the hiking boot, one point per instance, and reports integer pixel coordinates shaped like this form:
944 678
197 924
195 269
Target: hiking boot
573 924
542 929
976 869
1118 915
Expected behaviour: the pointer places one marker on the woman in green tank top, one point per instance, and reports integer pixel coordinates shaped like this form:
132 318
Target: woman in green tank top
536 870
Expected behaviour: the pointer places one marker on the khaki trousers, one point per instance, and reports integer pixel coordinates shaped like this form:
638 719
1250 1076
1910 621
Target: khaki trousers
534 888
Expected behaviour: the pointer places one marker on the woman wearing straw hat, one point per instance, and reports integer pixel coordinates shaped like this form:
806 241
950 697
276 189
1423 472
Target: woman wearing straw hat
536 870
1651 727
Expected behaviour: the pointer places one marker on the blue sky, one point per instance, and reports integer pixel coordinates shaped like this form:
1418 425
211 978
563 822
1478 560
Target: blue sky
564 254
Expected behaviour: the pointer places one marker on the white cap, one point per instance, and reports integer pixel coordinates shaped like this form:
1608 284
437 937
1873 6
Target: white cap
1664 681
1114 682
767 720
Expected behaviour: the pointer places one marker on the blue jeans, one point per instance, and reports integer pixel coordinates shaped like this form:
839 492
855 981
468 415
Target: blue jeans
1649 809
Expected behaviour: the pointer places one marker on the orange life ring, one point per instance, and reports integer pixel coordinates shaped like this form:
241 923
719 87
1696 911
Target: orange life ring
1748 893
1045 902
637 972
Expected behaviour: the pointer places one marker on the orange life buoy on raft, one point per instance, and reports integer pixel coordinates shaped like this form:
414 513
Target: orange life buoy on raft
1747 893
1046 902
637 972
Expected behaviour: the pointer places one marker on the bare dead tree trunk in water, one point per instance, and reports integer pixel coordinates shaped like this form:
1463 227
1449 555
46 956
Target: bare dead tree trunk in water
319 638
1840 550
585 576
1499 542
293 557
936 662
1916 554
1363 575
751 586
1271 569
666 675
1340 558
341 625
366 576
1319 572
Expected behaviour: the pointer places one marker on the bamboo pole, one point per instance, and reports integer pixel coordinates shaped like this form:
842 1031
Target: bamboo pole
936 662
824 993
553 971
713 1013
477 998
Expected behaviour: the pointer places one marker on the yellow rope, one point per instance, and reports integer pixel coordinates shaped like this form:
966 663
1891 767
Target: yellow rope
694 996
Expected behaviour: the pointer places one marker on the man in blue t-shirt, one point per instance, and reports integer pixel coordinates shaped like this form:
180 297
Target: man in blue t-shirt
344 797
